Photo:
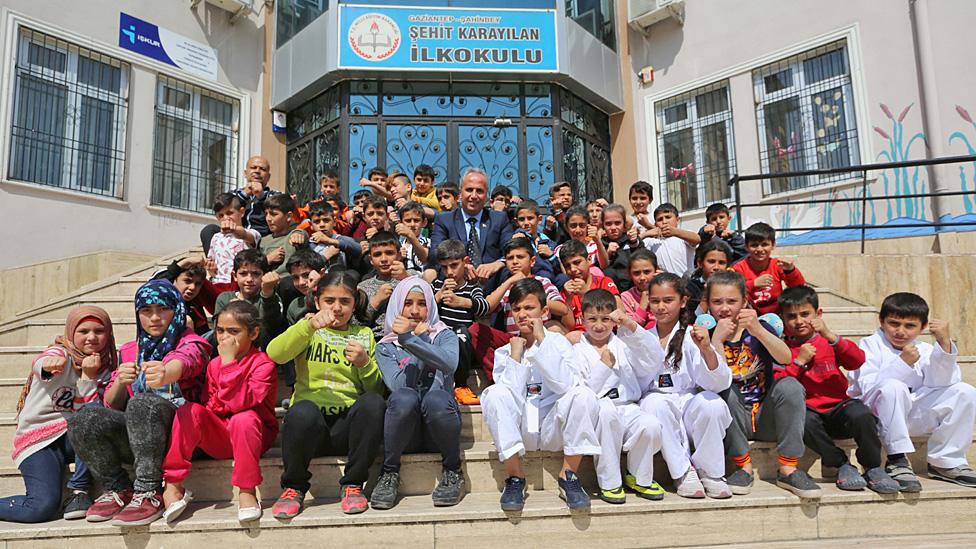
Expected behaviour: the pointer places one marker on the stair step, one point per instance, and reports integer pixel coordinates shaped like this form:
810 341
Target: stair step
126 285
831 298
545 522
117 306
33 332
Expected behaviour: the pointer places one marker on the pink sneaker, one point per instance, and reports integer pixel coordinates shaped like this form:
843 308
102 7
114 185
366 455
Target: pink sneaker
353 500
108 505
144 508
289 504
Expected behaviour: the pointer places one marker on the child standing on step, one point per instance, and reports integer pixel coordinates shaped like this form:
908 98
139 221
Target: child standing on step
238 421
337 406
615 367
418 357
818 355
160 371
539 401
71 372
915 388
762 407
683 396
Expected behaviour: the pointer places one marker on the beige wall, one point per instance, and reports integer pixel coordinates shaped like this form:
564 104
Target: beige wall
44 223
27 287
623 134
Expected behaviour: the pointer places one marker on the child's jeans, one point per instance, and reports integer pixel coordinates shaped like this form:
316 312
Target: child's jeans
416 423
241 437
42 472
850 418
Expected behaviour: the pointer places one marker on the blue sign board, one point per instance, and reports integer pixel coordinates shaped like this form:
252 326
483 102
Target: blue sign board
157 43
448 39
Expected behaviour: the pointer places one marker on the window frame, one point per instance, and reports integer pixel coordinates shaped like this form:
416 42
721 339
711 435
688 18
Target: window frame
697 125
75 93
804 91
198 125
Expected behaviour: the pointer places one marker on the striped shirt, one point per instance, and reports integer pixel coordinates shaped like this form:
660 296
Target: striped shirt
552 294
457 317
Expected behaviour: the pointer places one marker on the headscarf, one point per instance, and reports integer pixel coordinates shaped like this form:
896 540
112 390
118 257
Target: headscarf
76 316
394 308
159 292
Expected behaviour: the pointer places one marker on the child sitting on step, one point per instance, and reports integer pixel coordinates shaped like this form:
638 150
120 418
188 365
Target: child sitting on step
642 268
764 274
238 421
337 406
615 367
683 396
160 371
71 372
915 388
818 355
762 407
418 357
539 401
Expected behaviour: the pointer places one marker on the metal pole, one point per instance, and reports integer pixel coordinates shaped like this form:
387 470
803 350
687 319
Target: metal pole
738 201
864 207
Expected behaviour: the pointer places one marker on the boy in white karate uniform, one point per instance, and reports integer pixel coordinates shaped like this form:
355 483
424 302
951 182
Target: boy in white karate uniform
538 401
683 396
614 366
915 389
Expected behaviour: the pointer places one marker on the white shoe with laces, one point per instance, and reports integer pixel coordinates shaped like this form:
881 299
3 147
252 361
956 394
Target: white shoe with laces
716 488
689 485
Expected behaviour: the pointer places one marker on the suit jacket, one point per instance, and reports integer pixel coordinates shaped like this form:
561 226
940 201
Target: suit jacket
495 230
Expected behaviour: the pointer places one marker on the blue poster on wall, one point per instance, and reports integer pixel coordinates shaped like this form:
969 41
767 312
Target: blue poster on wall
166 46
450 39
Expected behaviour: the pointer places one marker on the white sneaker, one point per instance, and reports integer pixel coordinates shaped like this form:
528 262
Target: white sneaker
175 509
689 485
716 488
248 514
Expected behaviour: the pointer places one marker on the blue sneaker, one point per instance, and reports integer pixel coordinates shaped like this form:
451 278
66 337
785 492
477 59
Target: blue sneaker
513 498
571 491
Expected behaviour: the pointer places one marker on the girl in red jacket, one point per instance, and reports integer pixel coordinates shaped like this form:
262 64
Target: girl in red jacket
238 420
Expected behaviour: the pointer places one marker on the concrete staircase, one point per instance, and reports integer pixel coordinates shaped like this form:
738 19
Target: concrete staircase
769 514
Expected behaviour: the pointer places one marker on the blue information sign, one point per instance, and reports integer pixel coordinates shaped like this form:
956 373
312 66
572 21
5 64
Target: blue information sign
450 39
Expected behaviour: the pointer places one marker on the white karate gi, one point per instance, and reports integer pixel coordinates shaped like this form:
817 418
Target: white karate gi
685 411
623 426
541 403
928 399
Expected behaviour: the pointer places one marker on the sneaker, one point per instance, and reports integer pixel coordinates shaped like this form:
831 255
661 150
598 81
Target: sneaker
716 488
740 482
850 479
513 497
901 471
286 403
449 489
464 395
962 475
77 505
654 492
689 485
615 495
879 481
571 491
108 505
798 482
385 492
289 504
144 508
353 500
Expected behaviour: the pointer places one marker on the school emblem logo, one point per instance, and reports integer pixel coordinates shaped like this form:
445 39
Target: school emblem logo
374 36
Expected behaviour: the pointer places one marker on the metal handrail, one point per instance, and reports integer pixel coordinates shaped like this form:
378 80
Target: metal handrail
863 199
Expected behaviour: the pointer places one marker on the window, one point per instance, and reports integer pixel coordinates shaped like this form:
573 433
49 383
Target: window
596 16
195 151
294 15
695 147
69 114
805 111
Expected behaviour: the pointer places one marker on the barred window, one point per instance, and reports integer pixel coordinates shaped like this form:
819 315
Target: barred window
69 115
805 111
695 147
195 151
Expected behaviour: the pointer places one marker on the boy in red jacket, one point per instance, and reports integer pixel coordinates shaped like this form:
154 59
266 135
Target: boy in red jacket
818 355
765 275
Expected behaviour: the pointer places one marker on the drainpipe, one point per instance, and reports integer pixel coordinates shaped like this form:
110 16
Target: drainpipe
929 105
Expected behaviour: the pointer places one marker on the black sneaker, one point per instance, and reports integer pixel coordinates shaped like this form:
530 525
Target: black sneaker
901 471
449 489
385 492
850 479
879 481
962 475
513 498
571 491
740 482
798 482
77 504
